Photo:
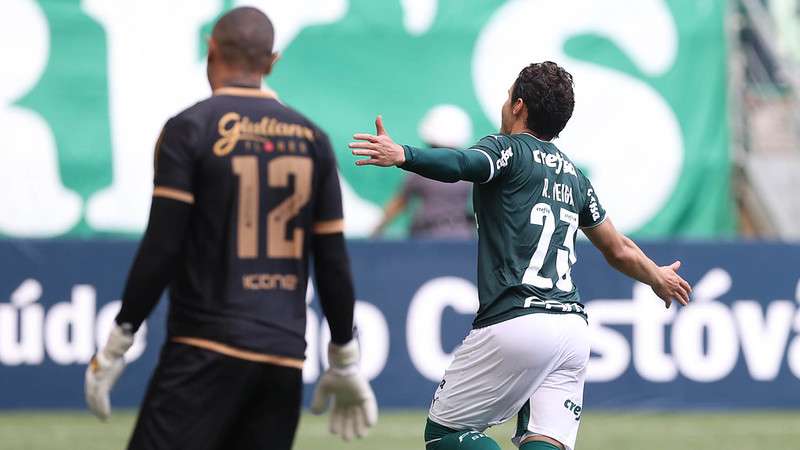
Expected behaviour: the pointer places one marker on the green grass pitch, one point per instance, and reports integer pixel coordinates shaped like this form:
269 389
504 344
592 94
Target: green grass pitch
400 430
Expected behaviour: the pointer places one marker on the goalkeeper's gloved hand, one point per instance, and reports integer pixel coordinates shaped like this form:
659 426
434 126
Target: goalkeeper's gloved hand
104 369
354 406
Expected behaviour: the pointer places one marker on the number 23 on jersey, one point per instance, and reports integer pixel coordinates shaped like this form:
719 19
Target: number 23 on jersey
542 215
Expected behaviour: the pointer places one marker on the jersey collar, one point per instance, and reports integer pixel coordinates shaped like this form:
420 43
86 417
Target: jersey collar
246 92
538 139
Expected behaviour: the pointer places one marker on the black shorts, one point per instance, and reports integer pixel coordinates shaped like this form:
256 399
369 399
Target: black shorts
198 399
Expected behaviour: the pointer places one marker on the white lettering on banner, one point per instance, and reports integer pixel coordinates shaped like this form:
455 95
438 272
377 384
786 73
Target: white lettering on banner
29 348
424 321
649 355
35 203
74 318
768 334
719 359
69 332
763 336
793 354
613 354
794 348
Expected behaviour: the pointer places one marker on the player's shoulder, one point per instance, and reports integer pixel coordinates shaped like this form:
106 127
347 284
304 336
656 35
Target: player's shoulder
495 141
194 115
187 124
501 141
295 116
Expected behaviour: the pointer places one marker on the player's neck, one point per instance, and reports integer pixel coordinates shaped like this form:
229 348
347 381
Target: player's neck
237 79
520 127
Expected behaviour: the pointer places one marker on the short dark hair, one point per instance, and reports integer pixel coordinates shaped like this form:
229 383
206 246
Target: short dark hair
244 37
546 90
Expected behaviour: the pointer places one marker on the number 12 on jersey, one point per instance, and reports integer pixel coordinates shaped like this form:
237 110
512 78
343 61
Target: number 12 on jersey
278 171
542 215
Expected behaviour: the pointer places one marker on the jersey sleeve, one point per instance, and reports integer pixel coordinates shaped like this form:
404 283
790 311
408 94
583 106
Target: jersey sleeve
592 213
499 154
328 217
174 161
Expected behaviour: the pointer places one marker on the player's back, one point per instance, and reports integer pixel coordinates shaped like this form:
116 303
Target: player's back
528 215
263 179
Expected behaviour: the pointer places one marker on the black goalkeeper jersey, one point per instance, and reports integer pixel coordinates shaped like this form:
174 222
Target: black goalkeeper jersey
262 179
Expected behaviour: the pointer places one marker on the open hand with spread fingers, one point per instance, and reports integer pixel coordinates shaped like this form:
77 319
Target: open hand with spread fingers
379 149
670 286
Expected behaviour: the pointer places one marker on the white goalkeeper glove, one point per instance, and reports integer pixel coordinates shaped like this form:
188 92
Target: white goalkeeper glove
354 406
104 370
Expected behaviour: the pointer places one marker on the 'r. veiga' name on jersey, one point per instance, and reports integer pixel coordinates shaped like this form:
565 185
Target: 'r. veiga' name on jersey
559 191
555 161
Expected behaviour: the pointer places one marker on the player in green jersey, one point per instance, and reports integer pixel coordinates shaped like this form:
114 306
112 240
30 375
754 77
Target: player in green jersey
528 350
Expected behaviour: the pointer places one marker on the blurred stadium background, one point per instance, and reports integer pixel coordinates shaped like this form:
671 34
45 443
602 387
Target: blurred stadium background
687 121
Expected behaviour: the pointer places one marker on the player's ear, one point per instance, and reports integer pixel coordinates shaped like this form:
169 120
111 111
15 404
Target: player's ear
517 107
213 48
271 61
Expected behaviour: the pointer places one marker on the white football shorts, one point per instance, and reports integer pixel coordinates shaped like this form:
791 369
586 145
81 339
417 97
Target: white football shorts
532 366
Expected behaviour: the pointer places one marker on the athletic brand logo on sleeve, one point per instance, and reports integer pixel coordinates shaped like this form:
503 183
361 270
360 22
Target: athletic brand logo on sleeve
505 155
593 208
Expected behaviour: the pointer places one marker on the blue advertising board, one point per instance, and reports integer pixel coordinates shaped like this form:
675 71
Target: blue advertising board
736 346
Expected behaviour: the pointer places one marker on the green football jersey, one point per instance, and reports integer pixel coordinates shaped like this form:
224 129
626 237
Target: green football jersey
528 212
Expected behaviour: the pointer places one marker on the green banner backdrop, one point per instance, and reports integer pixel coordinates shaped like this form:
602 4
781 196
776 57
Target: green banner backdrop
86 86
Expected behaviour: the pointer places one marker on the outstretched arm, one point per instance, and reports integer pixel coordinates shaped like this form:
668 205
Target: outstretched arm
448 165
625 256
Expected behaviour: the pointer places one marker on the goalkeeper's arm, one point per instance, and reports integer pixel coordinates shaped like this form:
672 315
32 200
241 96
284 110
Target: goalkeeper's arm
151 271
155 262
334 284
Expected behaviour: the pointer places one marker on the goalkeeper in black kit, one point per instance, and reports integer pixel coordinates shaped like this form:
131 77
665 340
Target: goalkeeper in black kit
246 190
